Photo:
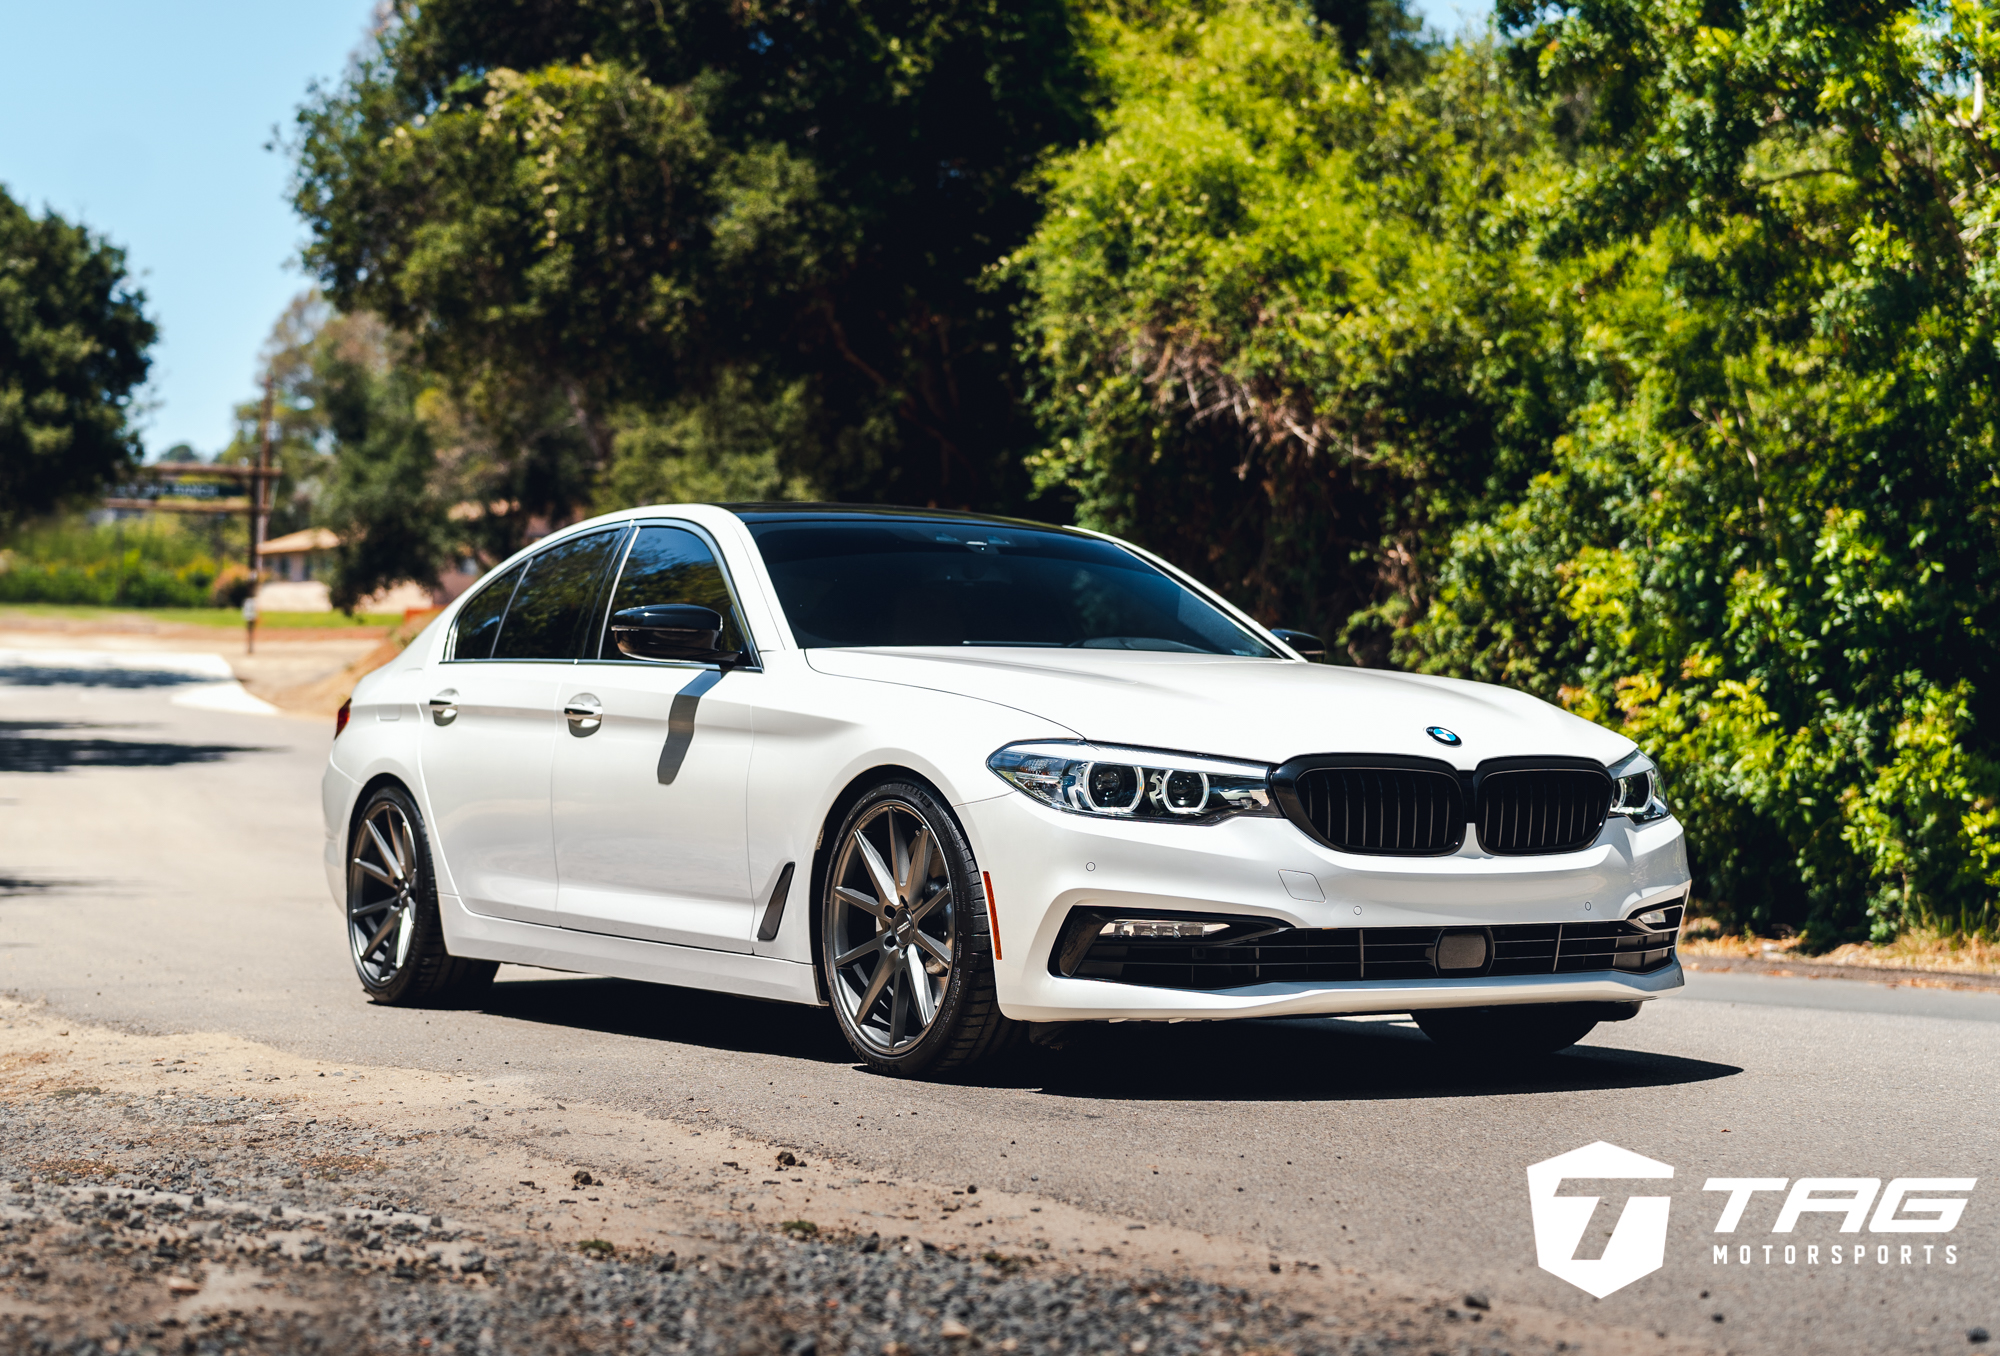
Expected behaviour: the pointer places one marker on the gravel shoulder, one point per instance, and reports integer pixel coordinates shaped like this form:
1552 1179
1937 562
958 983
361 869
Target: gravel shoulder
203 1192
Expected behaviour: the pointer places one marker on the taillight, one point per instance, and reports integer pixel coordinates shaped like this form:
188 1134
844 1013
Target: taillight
340 716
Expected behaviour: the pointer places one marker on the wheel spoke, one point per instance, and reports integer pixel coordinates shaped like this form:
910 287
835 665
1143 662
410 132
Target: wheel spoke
382 934
859 900
389 856
899 1004
899 854
938 950
878 870
847 958
874 991
377 907
377 872
918 872
929 906
406 848
919 984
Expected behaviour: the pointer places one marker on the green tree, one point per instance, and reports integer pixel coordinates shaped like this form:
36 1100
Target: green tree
649 205
1285 329
73 341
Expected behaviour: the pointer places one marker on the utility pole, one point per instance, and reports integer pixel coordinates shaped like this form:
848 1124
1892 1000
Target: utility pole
259 517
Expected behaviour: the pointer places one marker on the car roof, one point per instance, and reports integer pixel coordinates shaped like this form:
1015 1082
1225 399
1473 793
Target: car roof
798 512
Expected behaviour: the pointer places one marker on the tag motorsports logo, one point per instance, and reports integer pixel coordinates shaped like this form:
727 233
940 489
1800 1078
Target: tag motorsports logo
1638 1243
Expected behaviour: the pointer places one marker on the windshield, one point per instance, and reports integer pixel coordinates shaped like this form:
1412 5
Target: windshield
911 582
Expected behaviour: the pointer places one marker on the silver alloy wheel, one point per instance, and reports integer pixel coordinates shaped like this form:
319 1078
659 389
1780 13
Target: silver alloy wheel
892 929
382 894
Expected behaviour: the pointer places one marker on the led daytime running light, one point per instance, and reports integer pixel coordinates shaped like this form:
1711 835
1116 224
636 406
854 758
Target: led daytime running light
1139 784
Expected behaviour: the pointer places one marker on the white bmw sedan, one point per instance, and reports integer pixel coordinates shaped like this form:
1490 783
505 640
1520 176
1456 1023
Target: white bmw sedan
964 780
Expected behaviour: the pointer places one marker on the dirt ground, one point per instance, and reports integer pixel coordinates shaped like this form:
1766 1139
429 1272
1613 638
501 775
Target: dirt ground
200 1192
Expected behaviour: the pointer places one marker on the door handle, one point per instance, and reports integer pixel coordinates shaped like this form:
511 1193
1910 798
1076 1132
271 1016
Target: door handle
585 714
444 706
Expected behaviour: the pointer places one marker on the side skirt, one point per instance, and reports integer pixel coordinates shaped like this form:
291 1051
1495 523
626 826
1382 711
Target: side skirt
478 937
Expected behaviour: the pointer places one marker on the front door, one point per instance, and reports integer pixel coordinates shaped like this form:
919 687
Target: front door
491 722
651 766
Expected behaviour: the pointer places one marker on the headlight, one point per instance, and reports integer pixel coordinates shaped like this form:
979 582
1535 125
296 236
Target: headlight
1637 792
1119 783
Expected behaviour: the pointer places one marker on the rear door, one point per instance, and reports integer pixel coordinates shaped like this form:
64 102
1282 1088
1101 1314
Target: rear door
652 764
490 727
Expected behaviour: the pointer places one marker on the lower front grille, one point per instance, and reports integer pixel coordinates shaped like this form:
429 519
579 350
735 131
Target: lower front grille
1284 955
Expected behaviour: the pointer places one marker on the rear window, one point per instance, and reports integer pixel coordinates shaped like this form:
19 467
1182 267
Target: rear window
478 624
869 582
546 620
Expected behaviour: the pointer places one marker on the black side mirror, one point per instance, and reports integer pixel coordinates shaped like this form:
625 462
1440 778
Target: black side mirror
672 631
1308 647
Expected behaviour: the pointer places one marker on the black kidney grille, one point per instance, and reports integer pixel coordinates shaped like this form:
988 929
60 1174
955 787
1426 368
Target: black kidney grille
1538 810
1354 955
1386 810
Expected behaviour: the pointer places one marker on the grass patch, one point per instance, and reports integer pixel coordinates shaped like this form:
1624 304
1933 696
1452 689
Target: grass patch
201 616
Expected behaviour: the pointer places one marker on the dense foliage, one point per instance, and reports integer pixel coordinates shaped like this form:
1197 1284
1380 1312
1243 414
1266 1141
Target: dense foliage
1656 377
73 341
1771 541
138 564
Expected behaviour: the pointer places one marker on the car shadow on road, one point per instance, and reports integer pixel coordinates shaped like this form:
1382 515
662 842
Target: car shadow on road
26 746
1267 1061
1327 1060
657 1012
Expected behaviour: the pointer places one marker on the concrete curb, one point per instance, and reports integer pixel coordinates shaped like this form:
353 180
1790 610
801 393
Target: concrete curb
1878 974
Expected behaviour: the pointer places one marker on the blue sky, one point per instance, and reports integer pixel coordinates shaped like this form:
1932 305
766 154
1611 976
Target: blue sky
147 120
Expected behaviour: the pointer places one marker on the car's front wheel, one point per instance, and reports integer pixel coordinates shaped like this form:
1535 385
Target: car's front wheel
904 945
1503 1033
393 930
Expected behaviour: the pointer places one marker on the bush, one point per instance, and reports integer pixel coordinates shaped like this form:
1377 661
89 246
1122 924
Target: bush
142 564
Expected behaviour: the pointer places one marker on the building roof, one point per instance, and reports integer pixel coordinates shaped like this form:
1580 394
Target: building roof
292 543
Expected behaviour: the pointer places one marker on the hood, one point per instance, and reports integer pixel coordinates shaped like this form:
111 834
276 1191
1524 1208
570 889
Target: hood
1261 710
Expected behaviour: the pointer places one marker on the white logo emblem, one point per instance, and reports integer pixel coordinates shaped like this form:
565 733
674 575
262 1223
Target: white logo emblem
1638 1245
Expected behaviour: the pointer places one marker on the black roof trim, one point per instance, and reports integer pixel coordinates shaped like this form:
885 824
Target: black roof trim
798 512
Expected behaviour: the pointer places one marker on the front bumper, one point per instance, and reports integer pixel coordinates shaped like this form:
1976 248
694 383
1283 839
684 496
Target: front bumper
1043 864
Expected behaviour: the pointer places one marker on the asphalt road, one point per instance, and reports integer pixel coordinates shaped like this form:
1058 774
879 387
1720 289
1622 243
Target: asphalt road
159 869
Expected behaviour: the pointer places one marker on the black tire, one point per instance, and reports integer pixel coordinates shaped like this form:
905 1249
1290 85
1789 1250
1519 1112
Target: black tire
1498 1035
938 950
394 934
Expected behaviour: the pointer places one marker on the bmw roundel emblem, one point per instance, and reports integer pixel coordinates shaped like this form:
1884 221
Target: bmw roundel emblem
1442 735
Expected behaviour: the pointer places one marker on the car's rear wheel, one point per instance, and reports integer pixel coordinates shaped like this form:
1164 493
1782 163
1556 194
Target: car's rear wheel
393 930
904 945
1521 1032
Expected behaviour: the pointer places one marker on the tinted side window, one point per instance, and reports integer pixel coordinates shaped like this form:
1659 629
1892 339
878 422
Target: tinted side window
672 565
479 620
546 618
